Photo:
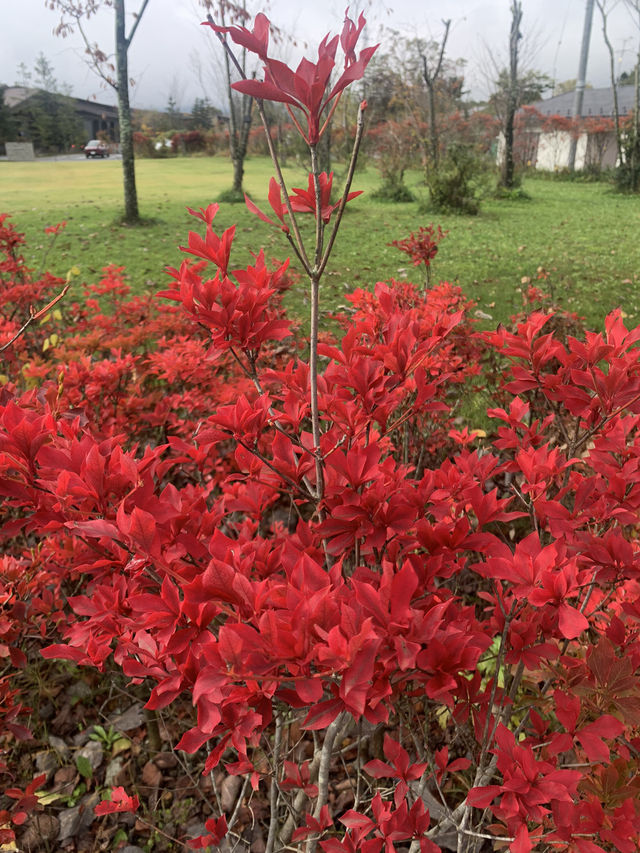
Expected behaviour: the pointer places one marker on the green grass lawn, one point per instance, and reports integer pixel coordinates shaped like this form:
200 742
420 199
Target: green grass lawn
585 236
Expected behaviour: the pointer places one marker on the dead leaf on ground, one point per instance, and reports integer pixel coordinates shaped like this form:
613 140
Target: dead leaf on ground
229 792
65 780
41 830
151 775
165 760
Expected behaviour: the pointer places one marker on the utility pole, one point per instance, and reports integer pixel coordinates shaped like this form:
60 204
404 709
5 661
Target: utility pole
581 82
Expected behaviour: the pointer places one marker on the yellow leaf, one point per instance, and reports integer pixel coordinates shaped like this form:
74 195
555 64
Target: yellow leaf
443 716
51 341
122 744
45 798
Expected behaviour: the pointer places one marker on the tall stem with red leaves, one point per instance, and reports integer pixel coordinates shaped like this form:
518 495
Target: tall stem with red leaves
314 281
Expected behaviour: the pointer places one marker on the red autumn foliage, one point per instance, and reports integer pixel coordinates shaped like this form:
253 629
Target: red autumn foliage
120 802
401 523
454 612
422 246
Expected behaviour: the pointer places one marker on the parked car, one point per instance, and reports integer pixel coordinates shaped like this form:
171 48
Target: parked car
95 148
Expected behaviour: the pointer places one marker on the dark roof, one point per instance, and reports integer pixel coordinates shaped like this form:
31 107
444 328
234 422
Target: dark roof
16 95
597 102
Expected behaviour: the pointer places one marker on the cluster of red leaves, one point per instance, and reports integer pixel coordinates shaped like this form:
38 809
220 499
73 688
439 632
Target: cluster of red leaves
308 89
302 201
477 602
173 476
422 245
119 801
125 371
21 290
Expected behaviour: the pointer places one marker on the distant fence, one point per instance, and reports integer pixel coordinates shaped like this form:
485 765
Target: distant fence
20 151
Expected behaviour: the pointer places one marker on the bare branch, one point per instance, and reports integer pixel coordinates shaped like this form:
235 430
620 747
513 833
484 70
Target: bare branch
138 18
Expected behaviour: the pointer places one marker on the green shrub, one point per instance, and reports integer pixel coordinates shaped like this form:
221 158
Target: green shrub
459 181
627 175
395 191
515 194
230 196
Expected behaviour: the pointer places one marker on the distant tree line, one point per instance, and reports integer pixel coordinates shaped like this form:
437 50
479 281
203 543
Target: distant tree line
203 116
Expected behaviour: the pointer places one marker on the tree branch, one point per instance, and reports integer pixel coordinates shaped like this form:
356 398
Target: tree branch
138 18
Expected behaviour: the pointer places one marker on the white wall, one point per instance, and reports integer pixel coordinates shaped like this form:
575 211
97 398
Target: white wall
553 150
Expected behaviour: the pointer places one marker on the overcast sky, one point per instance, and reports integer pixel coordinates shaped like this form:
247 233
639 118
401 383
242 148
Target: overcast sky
169 35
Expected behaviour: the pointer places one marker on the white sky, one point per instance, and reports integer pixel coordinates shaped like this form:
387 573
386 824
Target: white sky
169 33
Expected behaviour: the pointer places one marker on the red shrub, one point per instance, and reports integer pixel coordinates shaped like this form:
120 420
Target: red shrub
346 584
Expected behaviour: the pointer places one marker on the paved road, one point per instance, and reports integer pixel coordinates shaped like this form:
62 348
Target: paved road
77 157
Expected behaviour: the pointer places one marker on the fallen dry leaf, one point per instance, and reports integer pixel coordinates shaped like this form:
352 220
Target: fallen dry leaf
151 775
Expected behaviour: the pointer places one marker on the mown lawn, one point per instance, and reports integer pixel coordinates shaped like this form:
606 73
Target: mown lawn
583 235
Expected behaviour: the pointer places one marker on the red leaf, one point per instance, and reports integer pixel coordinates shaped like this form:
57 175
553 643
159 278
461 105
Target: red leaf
571 622
120 802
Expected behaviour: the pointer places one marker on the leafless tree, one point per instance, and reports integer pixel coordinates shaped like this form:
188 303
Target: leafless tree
74 14
430 78
240 107
633 7
627 137
605 8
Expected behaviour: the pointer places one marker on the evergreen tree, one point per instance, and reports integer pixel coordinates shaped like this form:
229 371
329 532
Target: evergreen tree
202 114
47 117
7 123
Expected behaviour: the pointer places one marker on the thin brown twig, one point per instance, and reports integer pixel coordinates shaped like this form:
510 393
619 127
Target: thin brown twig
343 202
274 792
35 315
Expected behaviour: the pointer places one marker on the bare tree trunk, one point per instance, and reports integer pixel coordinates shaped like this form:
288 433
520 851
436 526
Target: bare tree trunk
240 115
76 10
508 168
131 213
430 78
433 130
635 148
239 129
612 72
635 142
238 173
